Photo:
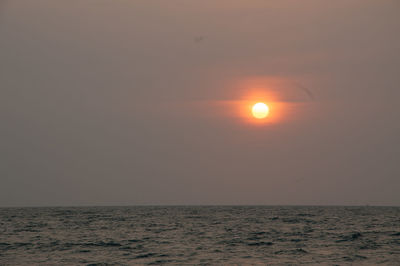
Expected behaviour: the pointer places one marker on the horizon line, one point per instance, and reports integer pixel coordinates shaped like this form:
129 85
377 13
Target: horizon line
195 205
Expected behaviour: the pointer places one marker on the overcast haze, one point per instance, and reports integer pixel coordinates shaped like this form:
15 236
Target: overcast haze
132 102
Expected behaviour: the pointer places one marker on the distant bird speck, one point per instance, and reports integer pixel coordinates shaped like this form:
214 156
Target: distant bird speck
306 90
199 39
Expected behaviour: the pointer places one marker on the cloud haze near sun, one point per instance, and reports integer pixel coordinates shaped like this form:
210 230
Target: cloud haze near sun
138 102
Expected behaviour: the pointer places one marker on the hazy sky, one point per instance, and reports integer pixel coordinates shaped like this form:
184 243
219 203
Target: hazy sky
137 102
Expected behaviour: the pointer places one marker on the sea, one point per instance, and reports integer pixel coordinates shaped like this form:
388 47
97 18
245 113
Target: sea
200 235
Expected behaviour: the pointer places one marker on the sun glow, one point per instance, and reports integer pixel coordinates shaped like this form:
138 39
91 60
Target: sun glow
260 110
257 102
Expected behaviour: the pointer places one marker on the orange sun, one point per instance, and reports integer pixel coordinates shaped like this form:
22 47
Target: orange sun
260 110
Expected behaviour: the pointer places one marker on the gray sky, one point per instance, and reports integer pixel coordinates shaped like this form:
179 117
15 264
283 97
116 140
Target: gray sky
139 102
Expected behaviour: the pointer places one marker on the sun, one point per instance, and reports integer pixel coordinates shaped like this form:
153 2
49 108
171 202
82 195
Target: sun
260 110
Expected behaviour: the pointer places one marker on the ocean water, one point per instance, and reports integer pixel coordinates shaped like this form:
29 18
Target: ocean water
226 235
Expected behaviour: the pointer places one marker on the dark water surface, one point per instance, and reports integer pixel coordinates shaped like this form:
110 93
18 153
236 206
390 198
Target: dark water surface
200 235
